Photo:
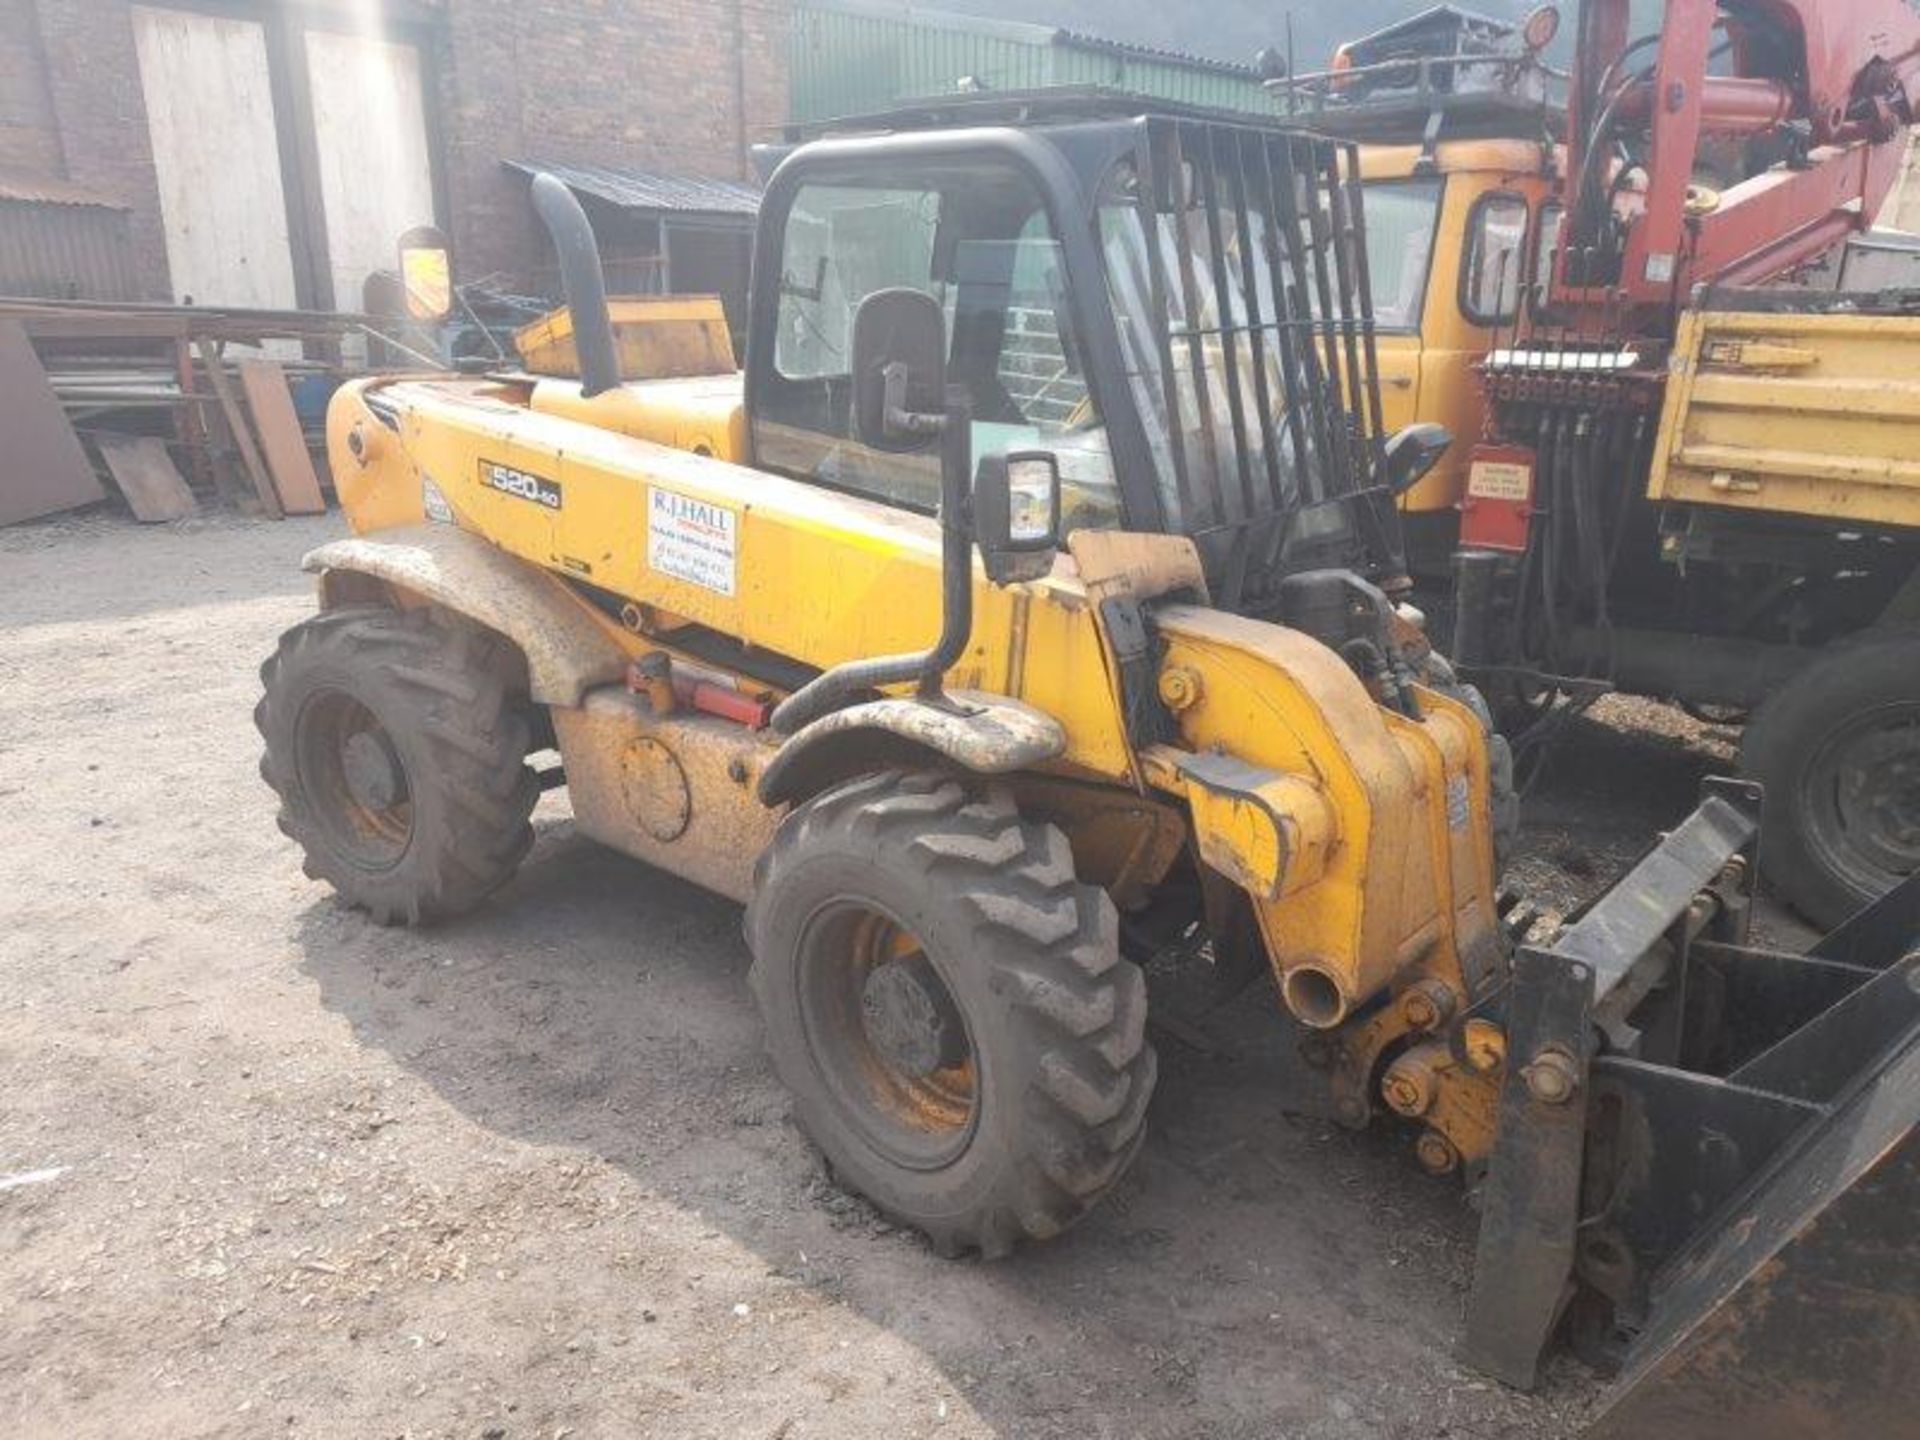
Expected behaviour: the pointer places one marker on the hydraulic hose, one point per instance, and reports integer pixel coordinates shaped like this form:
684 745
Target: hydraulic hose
1553 454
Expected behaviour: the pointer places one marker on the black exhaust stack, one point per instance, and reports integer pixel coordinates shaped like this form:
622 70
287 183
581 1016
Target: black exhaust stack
582 281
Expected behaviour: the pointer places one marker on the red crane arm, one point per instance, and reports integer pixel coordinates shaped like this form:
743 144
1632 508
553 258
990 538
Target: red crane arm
1856 51
1832 84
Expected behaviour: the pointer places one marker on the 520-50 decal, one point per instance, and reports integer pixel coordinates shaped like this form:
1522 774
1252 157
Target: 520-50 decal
520 485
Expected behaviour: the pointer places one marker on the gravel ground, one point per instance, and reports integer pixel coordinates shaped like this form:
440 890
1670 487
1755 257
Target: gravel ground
269 1170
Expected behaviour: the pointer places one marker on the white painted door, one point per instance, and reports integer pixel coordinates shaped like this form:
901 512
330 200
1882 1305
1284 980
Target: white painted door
370 126
217 157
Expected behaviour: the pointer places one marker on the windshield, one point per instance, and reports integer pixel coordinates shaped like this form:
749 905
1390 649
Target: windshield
1236 393
1401 215
1197 311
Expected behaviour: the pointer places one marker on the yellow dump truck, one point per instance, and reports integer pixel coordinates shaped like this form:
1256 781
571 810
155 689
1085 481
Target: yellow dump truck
1786 472
1795 405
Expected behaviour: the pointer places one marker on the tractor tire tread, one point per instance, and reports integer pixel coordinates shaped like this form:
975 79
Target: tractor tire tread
1051 945
452 696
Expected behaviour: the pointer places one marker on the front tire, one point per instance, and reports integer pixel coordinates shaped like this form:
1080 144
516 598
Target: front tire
396 741
949 1008
1838 750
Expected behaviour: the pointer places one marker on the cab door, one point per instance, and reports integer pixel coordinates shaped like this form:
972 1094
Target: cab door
1402 219
1479 273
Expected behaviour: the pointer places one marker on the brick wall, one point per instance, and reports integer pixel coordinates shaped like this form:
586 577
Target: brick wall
29 138
84 117
650 84
647 84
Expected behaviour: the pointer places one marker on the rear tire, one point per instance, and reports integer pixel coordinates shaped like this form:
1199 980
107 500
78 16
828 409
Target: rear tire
1839 753
949 1007
396 741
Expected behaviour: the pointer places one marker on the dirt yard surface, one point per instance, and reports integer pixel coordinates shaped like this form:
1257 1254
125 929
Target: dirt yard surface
266 1169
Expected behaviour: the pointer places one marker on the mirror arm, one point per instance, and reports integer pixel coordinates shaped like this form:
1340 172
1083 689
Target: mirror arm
844 684
956 541
900 420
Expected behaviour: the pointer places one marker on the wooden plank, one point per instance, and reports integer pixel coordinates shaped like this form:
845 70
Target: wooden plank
372 192
189 424
216 156
237 425
45 469
281 436
202 436
145 473
89 325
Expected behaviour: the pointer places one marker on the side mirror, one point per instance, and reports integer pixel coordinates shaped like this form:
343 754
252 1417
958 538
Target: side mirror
1016 514
899 369
1412 452
426 273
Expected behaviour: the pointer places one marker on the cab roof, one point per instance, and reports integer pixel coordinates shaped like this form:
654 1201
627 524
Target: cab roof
1029 109
1518 144
1455 157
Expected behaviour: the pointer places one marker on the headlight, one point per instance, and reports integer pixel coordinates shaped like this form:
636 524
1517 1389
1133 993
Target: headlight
1016 514
1032 490
1540 27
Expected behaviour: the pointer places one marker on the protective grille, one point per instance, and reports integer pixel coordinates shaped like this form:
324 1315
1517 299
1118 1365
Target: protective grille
1242 288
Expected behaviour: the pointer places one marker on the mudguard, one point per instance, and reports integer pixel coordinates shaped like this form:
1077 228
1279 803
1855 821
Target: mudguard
568 647
981 734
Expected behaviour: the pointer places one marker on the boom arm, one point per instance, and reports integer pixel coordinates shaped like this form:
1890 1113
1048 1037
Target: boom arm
1814 96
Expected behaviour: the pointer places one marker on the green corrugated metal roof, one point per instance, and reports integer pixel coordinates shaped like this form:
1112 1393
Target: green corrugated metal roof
856 57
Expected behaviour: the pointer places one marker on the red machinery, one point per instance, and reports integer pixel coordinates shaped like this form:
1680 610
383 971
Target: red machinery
1813 95
1739 140
1732 144
1736 142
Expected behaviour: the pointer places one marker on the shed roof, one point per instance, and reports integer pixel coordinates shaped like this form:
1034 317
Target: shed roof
649 191
1028 32
40 191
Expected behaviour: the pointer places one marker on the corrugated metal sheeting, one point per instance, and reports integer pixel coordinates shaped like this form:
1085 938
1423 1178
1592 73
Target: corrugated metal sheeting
854 57
57 245
644 190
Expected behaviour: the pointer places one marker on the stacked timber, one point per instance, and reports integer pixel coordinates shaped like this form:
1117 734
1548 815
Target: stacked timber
176 406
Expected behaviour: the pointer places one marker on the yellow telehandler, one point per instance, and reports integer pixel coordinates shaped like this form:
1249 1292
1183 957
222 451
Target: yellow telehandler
1082 393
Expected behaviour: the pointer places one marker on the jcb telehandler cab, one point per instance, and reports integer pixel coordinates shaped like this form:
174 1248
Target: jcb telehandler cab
1084 396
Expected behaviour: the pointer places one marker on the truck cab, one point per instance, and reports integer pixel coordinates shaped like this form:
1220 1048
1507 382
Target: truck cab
1455 236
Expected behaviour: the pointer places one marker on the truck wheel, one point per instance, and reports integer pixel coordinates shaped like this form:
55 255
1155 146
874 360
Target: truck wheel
396 742
949 1007
1839 752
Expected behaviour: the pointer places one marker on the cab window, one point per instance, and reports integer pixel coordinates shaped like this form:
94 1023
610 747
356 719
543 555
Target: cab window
841 239
1400 217
1493 269
978 239
1545 241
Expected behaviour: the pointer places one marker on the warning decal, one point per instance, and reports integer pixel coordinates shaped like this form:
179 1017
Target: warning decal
1499 480
691 540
